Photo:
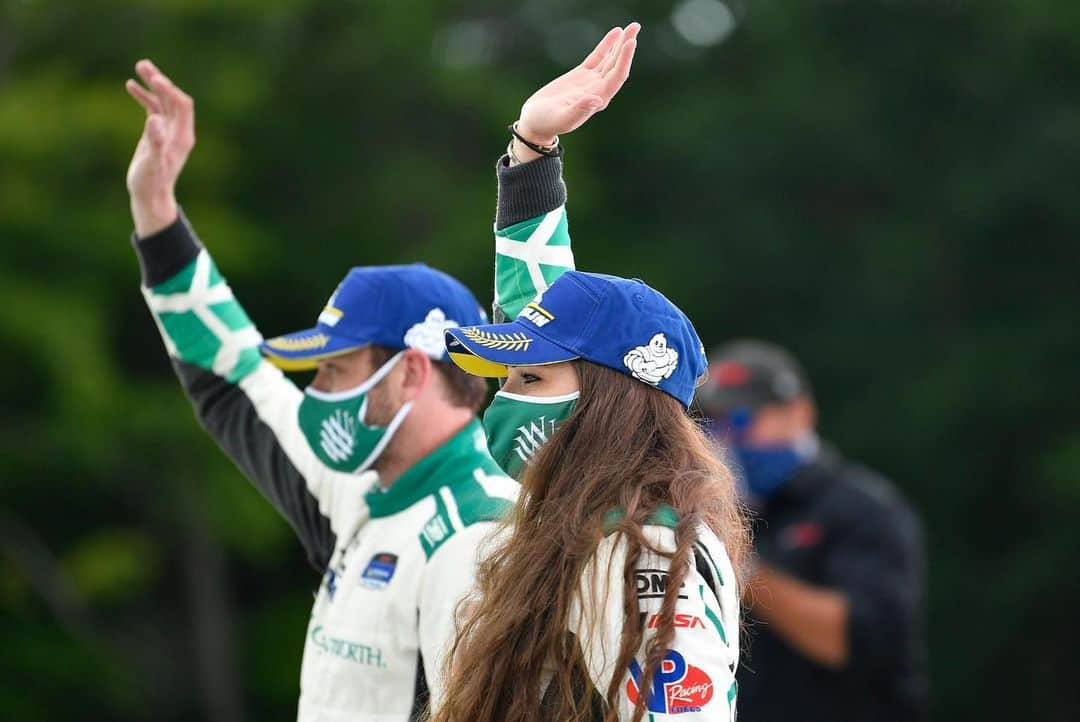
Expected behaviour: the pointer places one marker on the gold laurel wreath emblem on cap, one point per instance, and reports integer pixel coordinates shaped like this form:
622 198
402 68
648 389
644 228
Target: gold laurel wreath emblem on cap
305 343
498 341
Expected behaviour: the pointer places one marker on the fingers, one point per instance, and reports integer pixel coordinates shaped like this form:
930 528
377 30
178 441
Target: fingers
143 96
614 80
173 102
612 58
154 131
603 48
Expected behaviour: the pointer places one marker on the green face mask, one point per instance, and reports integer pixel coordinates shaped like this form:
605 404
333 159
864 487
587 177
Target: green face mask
517 426
335 427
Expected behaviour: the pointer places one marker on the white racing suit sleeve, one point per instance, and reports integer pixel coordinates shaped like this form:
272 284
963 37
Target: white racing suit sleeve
696 680
245 403
449 578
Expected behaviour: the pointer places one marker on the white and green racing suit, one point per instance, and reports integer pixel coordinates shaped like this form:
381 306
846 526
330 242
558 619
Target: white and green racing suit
394 564
696 680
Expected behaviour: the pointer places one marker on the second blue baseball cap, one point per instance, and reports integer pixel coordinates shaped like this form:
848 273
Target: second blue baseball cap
394 306
619 323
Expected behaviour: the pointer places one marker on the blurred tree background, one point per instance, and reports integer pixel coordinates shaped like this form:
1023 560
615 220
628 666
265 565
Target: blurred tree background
884 186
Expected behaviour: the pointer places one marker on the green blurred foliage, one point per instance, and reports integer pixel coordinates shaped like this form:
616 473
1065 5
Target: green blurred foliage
886 187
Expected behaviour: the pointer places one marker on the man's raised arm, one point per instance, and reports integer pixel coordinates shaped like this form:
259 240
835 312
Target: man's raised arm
246 404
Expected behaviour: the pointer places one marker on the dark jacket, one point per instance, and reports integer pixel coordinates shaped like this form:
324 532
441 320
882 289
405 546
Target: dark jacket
843 527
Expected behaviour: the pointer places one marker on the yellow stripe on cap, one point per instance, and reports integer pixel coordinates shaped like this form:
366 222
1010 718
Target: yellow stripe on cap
473 364
304 363
544 311
302 343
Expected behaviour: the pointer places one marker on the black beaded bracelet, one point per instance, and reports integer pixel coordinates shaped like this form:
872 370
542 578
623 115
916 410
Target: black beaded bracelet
552 149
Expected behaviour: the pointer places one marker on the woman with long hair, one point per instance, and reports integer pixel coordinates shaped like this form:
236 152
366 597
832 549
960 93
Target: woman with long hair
612 593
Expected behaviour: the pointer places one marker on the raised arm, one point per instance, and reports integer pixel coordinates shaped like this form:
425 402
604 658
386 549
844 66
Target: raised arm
246 404
532 239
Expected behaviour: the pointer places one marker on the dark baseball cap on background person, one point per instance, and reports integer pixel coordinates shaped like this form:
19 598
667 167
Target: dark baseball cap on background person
747 374
397 307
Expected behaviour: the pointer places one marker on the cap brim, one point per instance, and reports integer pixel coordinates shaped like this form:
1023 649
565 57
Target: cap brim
303 350
490 350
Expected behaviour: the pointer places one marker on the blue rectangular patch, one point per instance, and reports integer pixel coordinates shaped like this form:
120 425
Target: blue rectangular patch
379 571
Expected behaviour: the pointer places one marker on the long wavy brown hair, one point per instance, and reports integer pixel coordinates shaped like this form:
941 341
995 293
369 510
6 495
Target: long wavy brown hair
626 447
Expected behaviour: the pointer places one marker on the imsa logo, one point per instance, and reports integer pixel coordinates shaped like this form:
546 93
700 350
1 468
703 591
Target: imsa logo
678 621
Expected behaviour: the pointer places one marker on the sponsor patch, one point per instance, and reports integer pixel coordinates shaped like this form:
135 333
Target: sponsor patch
653 362
531 437
537 314
652 583
379 571
677 686
680 621
331 314
345 649
428 334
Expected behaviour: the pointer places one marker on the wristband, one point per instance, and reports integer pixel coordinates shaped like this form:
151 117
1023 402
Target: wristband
514 160
552 149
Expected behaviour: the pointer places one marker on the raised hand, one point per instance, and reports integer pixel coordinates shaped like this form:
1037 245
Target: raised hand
572 98
163 149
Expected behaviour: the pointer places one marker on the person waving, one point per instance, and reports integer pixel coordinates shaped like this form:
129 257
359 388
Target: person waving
614 592
380 465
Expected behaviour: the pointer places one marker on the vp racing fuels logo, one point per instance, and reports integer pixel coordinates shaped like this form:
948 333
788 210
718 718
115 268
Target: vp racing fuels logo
677 686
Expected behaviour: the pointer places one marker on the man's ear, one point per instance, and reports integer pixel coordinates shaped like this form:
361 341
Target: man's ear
418 369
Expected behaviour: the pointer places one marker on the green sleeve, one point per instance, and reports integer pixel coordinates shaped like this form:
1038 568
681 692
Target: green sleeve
532 237
202 323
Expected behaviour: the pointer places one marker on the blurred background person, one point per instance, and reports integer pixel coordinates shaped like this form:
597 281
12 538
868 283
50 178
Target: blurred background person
836 598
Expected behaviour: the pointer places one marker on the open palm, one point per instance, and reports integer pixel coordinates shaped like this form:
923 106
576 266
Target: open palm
572 98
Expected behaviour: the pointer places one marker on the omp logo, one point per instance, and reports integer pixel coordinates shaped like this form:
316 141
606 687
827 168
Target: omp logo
337 437
652 583
677 686
531 436
538 315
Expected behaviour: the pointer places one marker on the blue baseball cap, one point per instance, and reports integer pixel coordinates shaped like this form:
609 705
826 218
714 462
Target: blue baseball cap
615 322
394 306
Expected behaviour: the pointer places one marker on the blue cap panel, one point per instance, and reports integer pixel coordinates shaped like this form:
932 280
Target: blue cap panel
615 322
394 306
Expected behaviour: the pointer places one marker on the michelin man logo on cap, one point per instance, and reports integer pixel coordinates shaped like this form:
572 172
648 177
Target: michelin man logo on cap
653 362
428 335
